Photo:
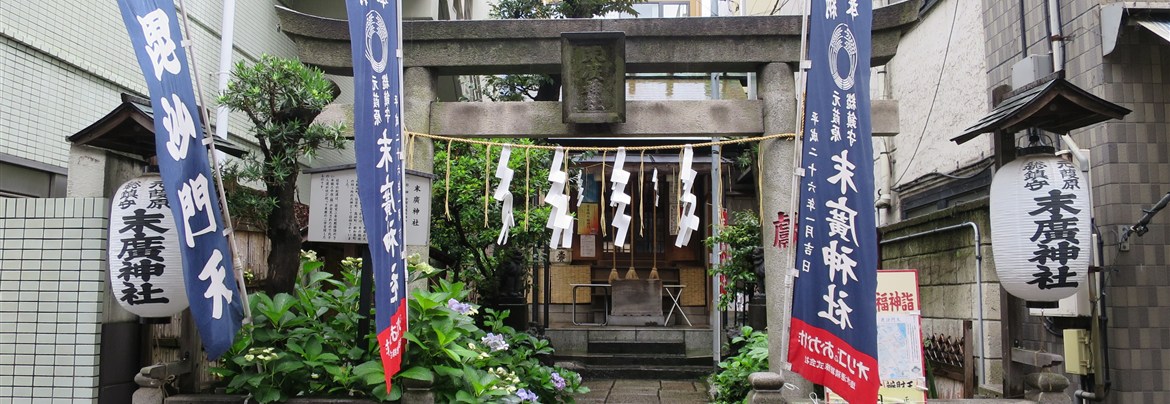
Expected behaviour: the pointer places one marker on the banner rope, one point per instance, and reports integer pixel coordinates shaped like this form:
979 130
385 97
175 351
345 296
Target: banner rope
606 149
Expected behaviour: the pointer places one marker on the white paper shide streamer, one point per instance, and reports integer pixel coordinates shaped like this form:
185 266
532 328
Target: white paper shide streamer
654 179
619 198
507 215
689 221
580 188
559 220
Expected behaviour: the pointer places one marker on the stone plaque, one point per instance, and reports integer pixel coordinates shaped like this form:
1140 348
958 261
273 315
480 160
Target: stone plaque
593 70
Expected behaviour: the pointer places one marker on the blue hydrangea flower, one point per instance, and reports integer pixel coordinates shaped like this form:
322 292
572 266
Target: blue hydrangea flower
527 396
558 381
458 307
494 341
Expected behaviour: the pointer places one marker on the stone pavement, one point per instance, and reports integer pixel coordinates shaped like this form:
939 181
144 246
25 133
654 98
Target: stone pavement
644 391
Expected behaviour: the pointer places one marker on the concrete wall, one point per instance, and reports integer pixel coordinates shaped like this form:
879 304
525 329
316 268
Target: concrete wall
52 274
947 278
937 65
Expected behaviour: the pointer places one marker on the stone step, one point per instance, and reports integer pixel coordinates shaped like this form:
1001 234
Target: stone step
643 360
636 347
592 372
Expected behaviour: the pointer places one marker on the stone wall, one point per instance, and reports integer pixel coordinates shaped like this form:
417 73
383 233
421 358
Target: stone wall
52 280
948 287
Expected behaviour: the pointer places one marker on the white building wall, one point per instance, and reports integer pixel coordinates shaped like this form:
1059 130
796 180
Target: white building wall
64 67
52 274
929 115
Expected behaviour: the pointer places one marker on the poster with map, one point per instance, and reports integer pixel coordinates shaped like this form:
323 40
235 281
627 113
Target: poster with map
899 337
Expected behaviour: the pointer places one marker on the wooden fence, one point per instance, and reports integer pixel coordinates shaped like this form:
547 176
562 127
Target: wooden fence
952 358
167 339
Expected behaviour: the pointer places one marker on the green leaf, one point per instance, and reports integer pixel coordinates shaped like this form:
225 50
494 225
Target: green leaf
313 348
316 277
267 395
464 397
418 373
288 366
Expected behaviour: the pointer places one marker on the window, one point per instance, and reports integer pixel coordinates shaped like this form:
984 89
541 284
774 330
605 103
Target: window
656 10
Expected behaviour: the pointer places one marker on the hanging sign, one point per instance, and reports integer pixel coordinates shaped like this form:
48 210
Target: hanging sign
1039 225
186 174
833 334
146 272
374 29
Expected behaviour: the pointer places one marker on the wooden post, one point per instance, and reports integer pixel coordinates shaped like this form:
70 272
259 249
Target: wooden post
1004 145
969 382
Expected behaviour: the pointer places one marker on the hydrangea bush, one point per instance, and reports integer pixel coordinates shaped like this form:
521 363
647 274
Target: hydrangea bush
306 345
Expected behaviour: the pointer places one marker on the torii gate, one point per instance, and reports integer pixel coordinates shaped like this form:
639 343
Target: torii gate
768 46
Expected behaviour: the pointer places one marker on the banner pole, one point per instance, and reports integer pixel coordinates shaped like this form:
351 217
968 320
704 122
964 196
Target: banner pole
790 272
209 141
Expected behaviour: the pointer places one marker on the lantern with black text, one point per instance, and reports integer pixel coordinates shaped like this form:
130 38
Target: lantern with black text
1040 229
146 273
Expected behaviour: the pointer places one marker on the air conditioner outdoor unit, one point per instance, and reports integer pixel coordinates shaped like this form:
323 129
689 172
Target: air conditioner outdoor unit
1030 69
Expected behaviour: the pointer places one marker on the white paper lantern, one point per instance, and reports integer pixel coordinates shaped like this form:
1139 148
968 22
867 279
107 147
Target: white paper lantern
1040 229
146 271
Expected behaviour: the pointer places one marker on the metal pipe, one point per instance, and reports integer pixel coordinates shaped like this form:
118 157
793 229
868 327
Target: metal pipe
716 187
1055 35
227 32
1098 328
978 282
1082 395
1023 32
547 285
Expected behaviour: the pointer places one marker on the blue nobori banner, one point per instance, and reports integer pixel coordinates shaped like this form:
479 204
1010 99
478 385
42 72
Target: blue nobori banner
182 159
833 339
374 33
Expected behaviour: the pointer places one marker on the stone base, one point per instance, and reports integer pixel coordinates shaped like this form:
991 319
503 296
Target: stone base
636 320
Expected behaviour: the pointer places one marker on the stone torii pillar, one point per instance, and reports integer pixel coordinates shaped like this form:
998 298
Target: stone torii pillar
419 89
777 83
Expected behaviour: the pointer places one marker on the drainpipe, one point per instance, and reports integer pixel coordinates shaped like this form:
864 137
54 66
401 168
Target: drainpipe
884 201
1098 329
1055 35
227 33
978 281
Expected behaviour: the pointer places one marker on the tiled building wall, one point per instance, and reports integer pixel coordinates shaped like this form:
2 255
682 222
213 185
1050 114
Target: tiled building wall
62 68
1131 171
52 276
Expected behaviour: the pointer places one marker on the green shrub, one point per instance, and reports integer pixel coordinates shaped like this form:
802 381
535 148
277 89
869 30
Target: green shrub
306 345
731 383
